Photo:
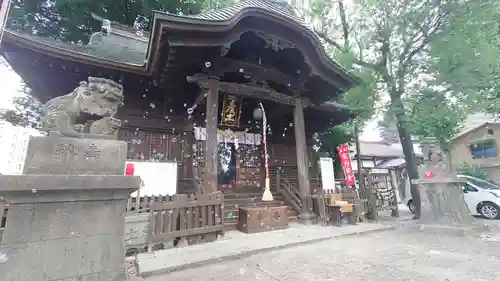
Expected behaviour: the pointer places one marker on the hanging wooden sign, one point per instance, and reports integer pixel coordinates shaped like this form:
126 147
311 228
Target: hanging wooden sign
231 111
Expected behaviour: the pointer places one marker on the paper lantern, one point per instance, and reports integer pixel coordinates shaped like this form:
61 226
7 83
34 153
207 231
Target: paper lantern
129 169
258 114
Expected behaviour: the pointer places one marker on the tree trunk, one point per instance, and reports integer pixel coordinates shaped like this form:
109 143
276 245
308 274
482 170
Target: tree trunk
409 153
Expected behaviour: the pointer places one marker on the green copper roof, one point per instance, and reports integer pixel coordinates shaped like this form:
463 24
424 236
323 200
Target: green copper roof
112 47
129 48
283 9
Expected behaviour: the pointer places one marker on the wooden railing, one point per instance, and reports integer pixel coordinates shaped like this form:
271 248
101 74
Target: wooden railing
185 215
143 204
291 194
287 185
289 191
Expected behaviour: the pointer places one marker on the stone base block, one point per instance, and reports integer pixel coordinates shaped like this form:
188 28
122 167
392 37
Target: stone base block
64 227
61 155
136 230
442 203
17 189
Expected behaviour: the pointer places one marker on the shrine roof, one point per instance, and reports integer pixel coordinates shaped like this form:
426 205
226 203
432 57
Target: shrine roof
114 47
278 9
124 45
126 49
282 9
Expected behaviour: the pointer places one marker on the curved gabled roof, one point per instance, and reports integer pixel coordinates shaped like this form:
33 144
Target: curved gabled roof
136 51
125 48
226 18
271 6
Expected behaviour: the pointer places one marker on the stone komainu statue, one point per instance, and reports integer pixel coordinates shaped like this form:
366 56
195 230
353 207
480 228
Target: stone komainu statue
87 112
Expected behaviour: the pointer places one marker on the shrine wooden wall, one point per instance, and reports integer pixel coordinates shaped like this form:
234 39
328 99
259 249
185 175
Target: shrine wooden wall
284 158
151 137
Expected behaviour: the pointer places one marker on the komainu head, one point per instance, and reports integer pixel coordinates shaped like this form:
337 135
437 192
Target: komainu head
99 96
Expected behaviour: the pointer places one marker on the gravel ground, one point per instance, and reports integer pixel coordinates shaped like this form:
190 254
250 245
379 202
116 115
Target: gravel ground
388 256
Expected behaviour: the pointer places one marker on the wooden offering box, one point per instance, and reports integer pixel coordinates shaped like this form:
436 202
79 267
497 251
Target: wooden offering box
260 219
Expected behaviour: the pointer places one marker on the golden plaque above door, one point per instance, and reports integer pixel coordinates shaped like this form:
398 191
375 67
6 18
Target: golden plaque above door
231 111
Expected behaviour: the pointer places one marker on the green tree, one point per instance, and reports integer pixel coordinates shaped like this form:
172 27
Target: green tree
362 99
334 137
72 21
476 171
434 115
388 127
27 111
391 38
466 57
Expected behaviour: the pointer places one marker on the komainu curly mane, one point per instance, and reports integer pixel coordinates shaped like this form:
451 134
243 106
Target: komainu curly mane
61 113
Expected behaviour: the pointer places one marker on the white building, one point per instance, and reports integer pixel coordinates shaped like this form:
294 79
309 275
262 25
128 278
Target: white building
13 145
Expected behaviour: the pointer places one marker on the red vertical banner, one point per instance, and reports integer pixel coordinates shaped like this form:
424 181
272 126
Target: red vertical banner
345 161
4 12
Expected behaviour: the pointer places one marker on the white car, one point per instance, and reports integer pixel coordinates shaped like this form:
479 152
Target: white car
482 197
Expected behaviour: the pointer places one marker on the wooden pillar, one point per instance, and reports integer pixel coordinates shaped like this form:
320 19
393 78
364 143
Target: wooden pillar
211 144
189 154
302 161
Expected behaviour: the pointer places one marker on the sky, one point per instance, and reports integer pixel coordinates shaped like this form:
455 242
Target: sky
10 83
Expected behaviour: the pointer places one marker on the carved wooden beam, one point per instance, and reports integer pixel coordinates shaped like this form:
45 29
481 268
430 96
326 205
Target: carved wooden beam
256 92
201 96
265 93
257 72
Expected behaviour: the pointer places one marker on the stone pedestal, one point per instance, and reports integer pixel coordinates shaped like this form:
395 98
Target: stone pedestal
443 202
443 209
56 155
66 218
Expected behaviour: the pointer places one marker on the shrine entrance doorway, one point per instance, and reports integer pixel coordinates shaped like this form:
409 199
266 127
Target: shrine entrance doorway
227 170
239 159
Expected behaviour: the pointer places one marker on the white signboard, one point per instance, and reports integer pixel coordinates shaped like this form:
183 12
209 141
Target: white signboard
158 178
327 174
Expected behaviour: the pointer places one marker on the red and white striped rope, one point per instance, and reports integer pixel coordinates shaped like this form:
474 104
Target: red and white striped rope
264 139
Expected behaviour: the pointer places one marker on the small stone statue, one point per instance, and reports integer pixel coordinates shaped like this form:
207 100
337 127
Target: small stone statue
435 159
87 112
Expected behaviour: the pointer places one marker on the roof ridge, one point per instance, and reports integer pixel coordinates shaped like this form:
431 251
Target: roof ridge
282 8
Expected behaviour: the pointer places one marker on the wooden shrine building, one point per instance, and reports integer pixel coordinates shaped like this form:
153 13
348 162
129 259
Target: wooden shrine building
193 86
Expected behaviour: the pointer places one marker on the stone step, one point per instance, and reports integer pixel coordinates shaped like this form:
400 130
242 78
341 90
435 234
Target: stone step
231 224
232 215
237 204
255 195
